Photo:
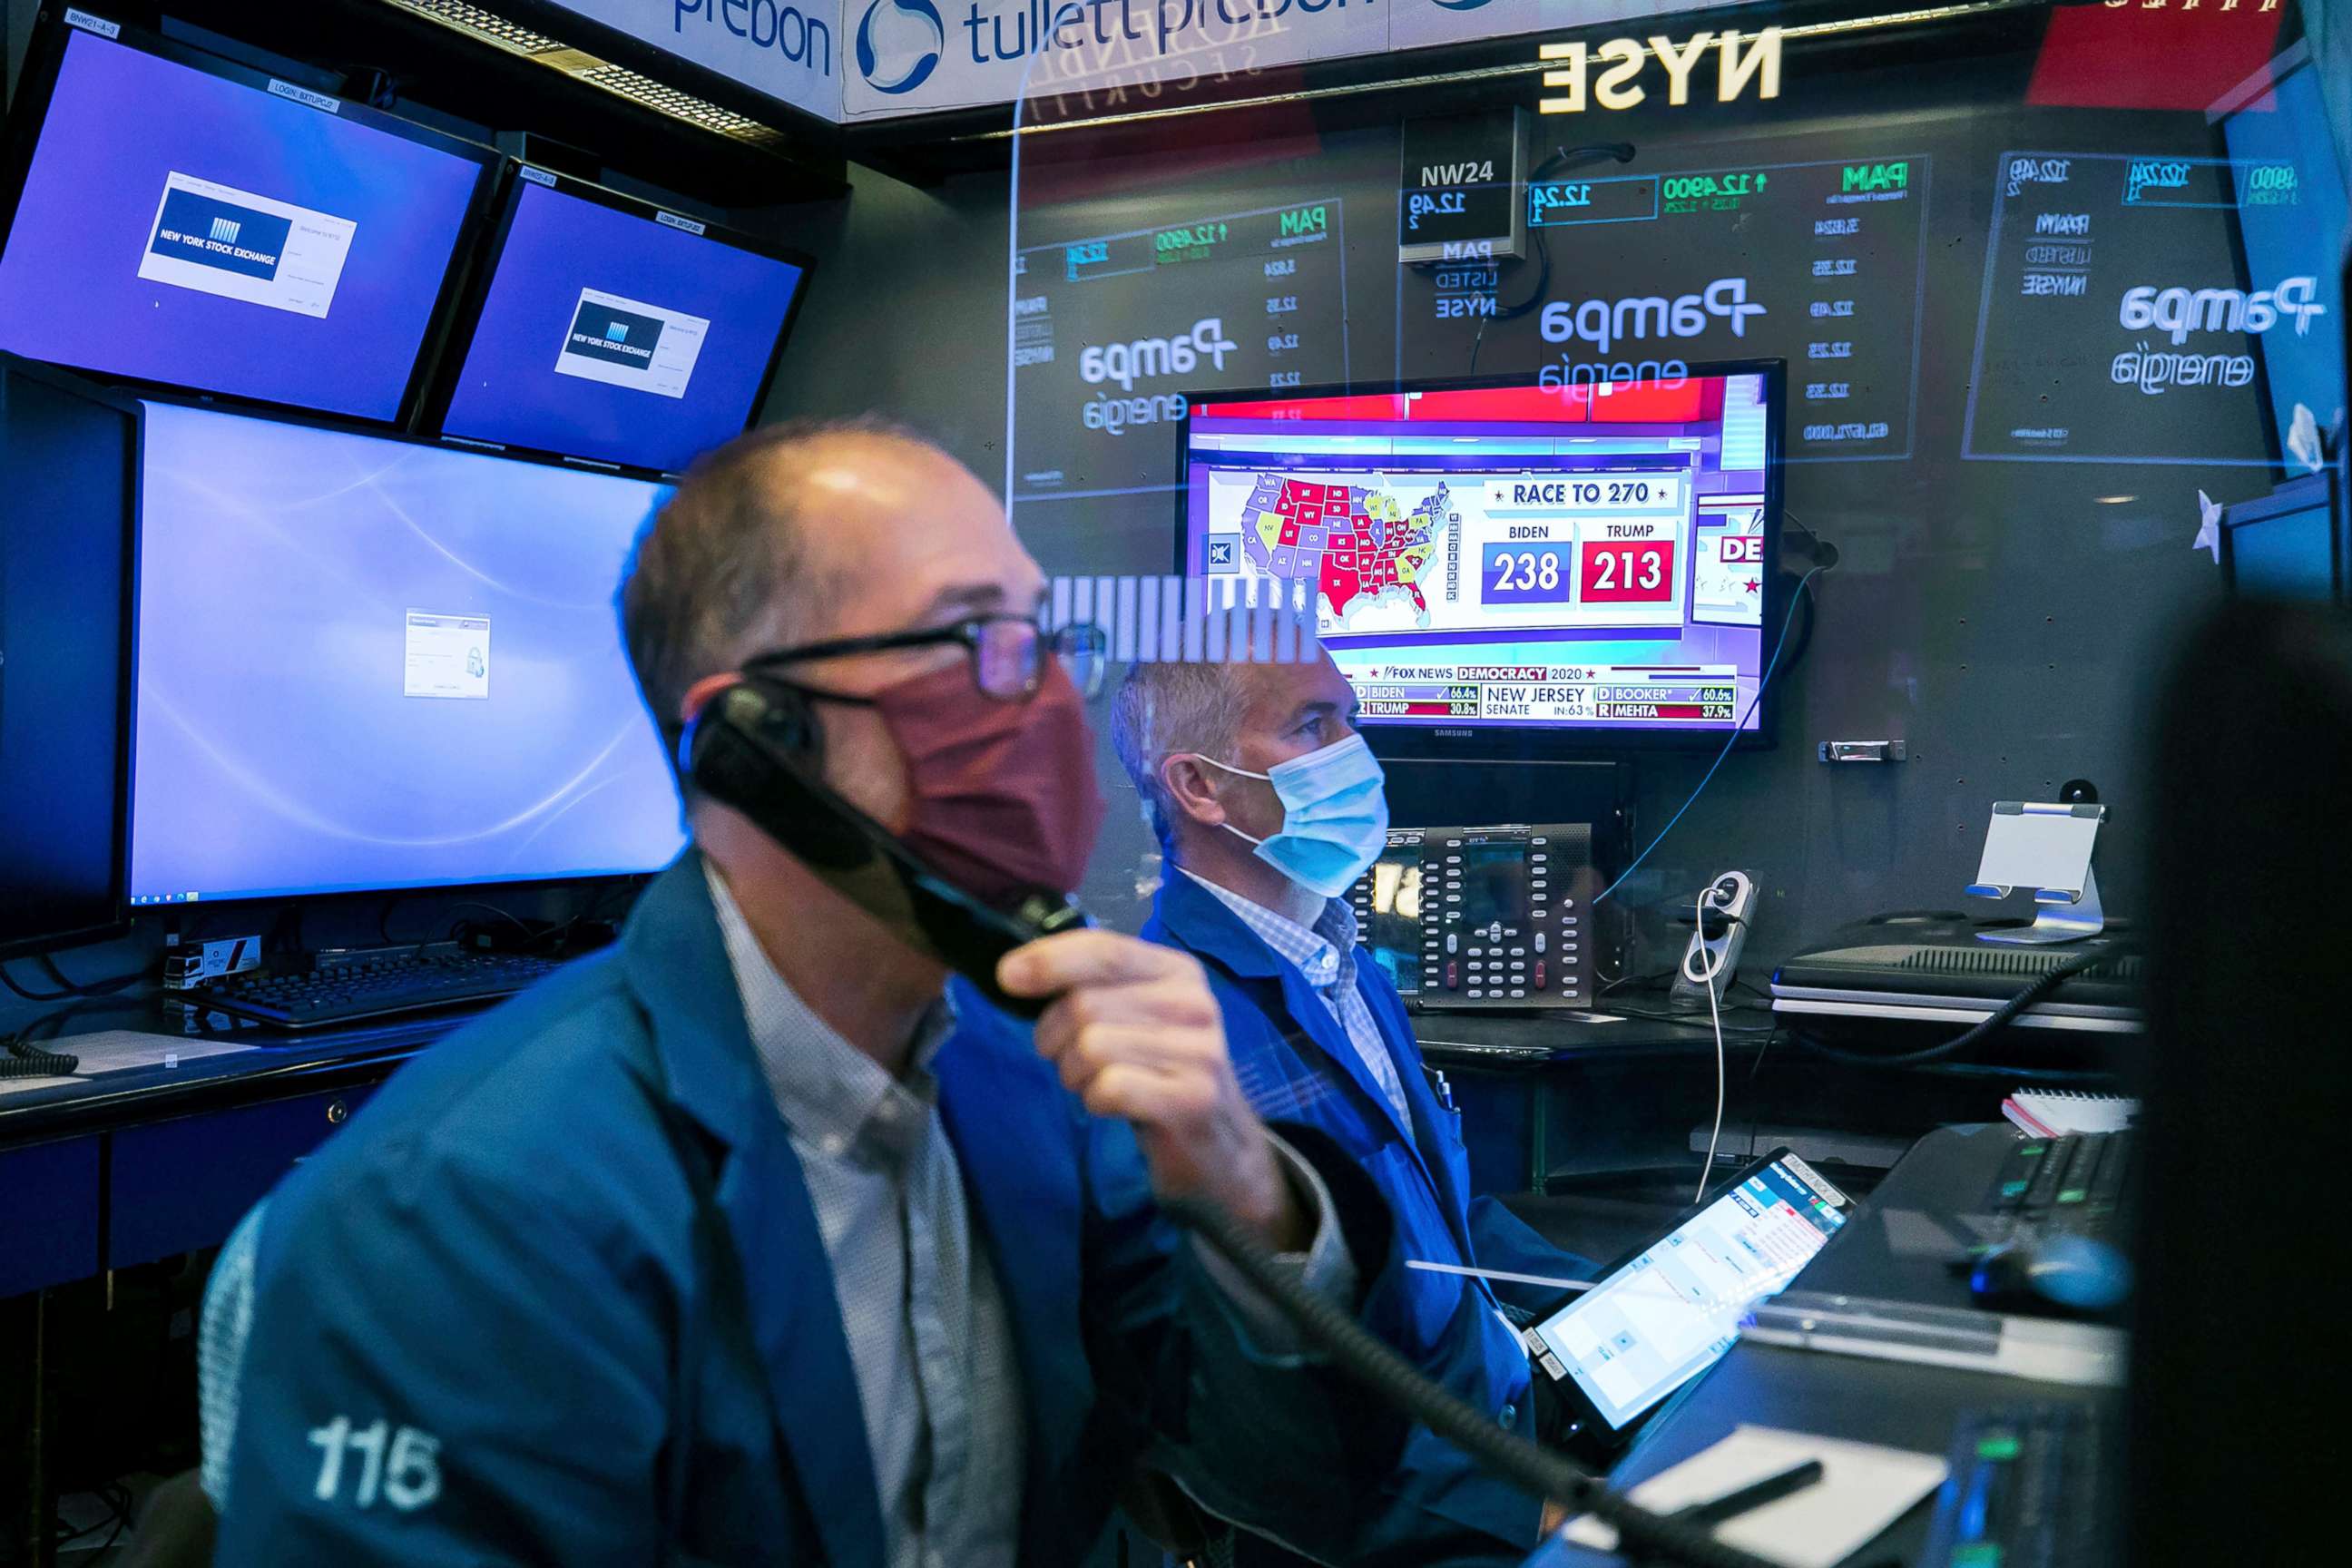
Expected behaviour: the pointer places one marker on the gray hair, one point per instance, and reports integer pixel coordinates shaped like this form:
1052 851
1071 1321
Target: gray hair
729 553
1169 709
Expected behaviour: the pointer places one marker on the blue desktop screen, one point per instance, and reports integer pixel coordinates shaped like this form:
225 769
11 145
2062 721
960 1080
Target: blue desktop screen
181 227
370 664
606 335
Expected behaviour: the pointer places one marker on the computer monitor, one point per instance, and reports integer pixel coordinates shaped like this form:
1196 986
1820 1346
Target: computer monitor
180 220
1503 566
612 330
69 469
375 664
2289 544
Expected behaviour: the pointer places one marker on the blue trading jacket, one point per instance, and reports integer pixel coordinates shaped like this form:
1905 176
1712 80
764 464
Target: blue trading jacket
1295 1063
558 1295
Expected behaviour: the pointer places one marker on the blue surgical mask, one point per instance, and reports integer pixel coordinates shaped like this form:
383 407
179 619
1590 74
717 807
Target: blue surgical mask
1335 820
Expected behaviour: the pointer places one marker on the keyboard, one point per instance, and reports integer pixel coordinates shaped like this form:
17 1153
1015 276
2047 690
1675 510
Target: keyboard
2029 1488
342 988
2075 1184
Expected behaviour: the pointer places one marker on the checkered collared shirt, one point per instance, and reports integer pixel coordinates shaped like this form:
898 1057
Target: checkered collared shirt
1325 955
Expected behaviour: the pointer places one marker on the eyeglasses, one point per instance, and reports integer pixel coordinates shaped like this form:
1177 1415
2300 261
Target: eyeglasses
1008 653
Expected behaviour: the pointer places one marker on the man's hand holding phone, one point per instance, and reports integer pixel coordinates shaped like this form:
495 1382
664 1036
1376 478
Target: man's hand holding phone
1136 1033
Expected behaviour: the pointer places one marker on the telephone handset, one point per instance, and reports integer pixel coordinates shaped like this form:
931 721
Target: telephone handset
756 746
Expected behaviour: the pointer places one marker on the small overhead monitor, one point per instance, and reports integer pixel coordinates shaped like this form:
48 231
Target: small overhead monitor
2292 543
1503 567
370 664
176 219
611 330
69 468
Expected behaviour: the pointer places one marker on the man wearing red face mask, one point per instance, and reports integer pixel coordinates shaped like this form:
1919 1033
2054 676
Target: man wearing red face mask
756 1240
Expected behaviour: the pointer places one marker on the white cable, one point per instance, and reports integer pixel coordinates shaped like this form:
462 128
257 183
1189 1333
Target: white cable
1707 972
1770 665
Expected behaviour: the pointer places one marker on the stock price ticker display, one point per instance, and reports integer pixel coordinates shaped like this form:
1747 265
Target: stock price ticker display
1111 332
1821 264
2119 325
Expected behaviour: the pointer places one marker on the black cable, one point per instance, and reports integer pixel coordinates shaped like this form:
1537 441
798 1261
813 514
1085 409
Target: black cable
1742 1032
1642 1534
1625 982
73 987
530 935
1999 1018
10 981
1561 157
24 1060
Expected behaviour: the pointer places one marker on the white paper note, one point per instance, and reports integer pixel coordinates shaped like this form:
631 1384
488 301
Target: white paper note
1863 1490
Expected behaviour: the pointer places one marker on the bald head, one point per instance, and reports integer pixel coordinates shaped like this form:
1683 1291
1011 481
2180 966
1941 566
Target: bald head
808 530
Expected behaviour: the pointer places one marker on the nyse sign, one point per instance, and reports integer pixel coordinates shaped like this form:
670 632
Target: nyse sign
1737 65
857 60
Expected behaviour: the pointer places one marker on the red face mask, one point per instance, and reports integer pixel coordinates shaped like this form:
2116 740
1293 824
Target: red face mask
1005 800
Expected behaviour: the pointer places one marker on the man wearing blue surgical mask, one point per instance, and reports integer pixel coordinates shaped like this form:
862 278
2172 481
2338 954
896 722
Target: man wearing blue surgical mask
1268 806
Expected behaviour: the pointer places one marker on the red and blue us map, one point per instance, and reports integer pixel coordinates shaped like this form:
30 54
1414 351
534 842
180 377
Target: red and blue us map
1354 543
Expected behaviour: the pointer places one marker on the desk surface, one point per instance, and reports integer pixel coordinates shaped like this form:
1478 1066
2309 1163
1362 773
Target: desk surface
1897 1248
1532 1039
263 1066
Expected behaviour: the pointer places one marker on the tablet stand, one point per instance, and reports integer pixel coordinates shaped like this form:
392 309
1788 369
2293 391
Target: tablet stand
2045 847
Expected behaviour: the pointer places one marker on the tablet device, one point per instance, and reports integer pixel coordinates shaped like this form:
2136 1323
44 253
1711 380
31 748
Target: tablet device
1668 1312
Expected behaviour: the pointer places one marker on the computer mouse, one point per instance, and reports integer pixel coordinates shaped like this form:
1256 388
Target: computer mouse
2072 1273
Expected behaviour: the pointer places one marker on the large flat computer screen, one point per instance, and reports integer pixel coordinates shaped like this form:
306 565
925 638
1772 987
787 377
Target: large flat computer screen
375 664
69 460
1511 560
184 221
614 330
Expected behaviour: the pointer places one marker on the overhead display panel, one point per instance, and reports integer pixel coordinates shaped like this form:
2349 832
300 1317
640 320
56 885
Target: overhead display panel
2117 324
1111 332
609 330
1821 263
185 221
915 57
881 59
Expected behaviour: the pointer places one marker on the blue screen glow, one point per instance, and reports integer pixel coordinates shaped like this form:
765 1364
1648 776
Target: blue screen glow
370 664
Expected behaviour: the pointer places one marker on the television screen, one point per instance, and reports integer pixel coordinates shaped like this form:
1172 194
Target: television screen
615 332
68 465
376 664
1508 559
185 221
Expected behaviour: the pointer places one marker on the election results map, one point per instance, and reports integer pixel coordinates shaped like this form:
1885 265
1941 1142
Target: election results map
1354 544
1564 557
